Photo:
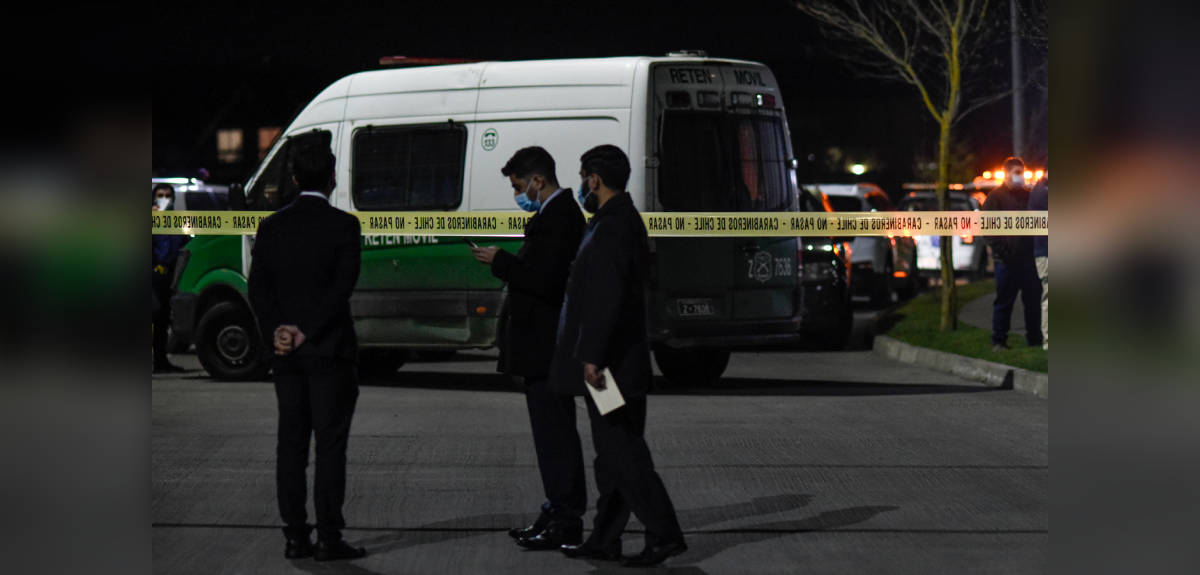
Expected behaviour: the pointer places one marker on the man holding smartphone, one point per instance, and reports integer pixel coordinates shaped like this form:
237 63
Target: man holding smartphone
537 279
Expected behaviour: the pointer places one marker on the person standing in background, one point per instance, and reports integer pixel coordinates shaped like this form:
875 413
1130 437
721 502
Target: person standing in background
1016 271
1039 200
164 252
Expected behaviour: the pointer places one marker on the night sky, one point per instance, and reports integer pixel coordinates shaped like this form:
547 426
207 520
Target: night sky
226 64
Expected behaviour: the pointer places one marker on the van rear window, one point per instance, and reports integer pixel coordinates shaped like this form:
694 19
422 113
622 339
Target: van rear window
408 168
716 162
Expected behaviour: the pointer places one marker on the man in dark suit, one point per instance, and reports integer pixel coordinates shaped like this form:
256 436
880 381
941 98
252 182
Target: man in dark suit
536 278
305 266
603 325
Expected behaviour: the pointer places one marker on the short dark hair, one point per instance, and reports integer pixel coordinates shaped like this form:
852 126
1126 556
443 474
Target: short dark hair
161 186
313 166
608 162
1013 161
531 161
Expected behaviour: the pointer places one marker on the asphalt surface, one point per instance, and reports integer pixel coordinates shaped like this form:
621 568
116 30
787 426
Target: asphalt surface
795 462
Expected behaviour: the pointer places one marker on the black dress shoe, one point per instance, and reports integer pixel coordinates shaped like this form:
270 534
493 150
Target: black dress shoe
654 555
553 538
523 532
590 550
337 550
298 548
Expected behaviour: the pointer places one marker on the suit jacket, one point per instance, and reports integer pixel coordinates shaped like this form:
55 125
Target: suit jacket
604 316
537 279
305 266
1010 250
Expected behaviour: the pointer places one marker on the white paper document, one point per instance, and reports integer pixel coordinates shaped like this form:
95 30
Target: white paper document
608 398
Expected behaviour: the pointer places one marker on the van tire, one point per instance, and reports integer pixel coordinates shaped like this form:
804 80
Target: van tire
228 344
381 362
684 367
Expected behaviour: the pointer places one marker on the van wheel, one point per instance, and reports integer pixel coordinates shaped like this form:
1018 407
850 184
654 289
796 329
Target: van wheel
884 293
228 345
375 362
693 366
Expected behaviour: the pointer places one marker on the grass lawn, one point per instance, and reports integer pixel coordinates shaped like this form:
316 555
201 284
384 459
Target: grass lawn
918 322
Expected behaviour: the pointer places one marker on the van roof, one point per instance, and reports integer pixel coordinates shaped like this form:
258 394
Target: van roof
329 105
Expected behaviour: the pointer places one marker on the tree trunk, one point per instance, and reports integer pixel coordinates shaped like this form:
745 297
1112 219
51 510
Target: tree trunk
949 290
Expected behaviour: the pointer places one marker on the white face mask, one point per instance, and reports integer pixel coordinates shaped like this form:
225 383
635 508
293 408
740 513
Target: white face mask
1018 179
163 203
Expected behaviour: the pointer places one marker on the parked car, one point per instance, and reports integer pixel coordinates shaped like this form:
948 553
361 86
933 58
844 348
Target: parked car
884 268
826 309
970 253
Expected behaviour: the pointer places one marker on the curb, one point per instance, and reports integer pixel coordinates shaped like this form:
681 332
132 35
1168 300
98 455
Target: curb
991 373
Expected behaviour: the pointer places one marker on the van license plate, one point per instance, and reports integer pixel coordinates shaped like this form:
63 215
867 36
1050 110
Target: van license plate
696 307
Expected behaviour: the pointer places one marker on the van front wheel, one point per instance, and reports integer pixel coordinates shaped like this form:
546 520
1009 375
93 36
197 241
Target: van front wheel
228 345
691 366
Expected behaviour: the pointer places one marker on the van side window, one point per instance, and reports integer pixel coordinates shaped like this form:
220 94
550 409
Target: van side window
274 187
409 168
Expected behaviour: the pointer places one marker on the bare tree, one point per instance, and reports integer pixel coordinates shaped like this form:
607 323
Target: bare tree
940 48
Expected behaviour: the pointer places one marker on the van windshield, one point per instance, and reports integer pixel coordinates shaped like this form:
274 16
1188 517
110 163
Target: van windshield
715 162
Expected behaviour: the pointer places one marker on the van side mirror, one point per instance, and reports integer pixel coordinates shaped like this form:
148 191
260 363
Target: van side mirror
237 197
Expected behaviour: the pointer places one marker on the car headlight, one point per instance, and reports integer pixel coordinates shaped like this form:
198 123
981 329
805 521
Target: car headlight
819 271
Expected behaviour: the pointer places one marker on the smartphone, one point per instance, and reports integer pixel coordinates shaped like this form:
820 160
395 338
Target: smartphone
470 243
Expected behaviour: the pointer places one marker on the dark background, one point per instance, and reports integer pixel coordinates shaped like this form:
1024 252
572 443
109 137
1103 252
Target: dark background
235 64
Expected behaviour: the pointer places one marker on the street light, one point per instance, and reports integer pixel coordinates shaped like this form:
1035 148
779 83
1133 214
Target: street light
858 169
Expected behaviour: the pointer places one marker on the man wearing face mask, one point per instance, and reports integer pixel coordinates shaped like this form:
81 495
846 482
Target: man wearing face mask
1016 270
164 251
537 278
603 325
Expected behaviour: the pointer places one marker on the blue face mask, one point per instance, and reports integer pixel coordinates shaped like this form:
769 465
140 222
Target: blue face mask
589 201
524 202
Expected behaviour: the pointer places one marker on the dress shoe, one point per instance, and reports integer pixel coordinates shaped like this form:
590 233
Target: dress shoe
652 556
553 538
1000 347
337 550
590 550
298 548
523 532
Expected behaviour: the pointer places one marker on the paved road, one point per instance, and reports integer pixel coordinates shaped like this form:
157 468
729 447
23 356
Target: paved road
794 463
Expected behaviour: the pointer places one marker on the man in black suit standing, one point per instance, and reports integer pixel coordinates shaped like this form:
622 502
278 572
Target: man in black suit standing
536 278
305 266
603 325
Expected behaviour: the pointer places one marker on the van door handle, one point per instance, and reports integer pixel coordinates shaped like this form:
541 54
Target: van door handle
749 249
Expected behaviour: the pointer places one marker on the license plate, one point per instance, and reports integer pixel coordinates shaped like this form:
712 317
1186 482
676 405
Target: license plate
696 307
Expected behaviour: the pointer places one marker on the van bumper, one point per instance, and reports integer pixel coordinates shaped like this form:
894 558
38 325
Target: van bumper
730 333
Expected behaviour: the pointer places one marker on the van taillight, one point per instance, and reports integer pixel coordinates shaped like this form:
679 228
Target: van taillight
678 100
766 100
708 100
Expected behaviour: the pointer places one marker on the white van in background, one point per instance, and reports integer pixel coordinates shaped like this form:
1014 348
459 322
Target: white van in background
702 135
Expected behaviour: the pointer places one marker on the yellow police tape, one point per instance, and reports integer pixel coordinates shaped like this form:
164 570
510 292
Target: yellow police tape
778 224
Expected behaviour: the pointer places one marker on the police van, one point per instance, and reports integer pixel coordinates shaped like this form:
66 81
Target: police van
702 134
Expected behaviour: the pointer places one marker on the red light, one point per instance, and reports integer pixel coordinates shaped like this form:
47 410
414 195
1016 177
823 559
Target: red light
900 274
968 239
766 100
